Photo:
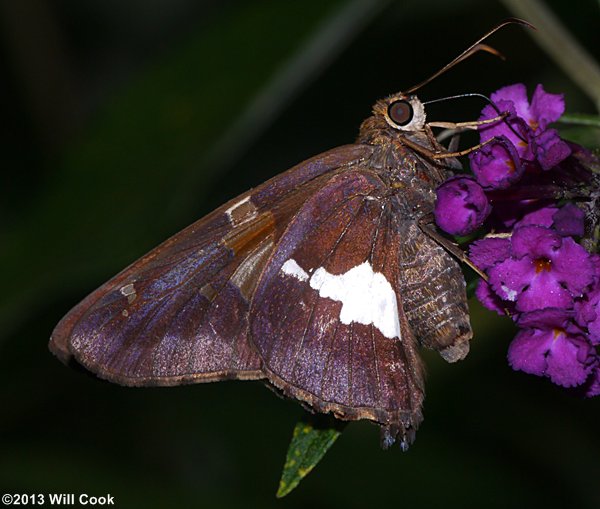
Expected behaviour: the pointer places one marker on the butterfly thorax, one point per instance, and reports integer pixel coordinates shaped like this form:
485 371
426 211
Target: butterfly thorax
408 174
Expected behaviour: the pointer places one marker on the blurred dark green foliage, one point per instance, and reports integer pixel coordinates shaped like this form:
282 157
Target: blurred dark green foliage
109 148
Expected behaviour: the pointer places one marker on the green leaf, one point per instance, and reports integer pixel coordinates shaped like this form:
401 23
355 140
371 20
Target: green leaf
581 128
313 436
580 119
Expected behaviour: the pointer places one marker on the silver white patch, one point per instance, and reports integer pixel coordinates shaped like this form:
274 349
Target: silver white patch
241 212
129 292
367 297
292 268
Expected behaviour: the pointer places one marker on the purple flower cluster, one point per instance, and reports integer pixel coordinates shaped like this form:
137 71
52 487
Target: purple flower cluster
520 143
550 285
537 272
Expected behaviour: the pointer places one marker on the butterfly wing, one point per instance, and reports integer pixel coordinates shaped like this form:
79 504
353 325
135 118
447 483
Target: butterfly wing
434 296
327 316
180 313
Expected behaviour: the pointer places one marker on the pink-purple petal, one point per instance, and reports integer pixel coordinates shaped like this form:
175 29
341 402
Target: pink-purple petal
512 128
568 221
546 108
510 277
540 217
572 266
569 361
587 314
486 253
497 165
488 298
550 346
550 149
544 291
534 241
547 318
517 94
593 383
527 352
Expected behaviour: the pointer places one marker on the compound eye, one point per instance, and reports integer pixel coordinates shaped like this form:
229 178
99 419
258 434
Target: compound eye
400 112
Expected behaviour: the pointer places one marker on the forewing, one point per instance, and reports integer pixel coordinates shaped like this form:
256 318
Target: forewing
180 313
327 316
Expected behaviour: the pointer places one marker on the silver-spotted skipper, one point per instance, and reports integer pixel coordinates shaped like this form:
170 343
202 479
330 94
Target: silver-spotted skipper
323 282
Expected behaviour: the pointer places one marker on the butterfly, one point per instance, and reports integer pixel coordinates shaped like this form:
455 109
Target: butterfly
324 282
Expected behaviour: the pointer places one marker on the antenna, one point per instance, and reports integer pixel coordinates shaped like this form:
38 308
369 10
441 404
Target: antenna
474 48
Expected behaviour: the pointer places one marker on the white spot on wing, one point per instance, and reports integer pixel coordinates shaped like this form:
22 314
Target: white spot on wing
129 292
291 268
366 296
241 212
236 205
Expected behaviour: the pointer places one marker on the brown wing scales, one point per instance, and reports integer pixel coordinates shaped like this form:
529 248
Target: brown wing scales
179 314
310 349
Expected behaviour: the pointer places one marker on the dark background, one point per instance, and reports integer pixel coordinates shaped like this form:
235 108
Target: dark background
123 122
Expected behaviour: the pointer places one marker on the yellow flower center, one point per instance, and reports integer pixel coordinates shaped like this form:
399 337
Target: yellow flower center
542 264
511 166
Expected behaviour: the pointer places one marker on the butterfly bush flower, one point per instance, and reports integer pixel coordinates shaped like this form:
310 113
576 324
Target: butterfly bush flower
550 345
588 314
526 125
461 206
497 164
587 309
486 253
538 272
593 383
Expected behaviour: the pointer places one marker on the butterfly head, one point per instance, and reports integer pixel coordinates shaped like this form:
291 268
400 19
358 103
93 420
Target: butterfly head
397 115
402 112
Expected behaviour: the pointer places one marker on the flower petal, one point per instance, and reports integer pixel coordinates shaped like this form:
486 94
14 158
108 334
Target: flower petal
486 295
486 253
546 108
568 221
510 277
550 149
540 217
528 350
513 128
593 382
544 291
569 361
587 314
517 94
547 318
535 242
572 266
497 165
